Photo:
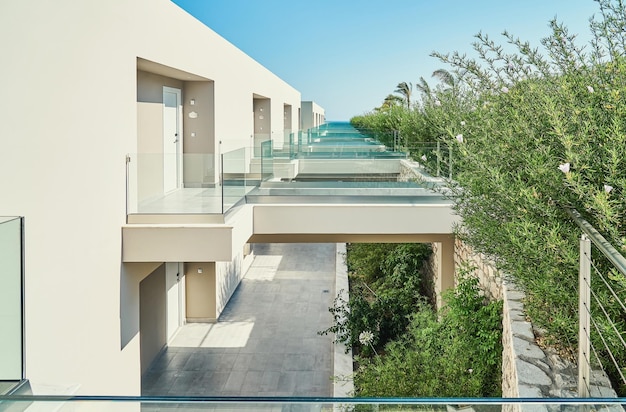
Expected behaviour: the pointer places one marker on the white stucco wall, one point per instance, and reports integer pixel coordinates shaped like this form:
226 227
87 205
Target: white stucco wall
69 81
312 115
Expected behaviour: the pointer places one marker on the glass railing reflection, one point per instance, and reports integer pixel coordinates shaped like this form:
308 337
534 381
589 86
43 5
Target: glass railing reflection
267 160
86 403
237 176
196 183
154 181
189 183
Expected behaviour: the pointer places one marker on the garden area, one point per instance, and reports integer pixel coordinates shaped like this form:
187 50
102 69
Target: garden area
528 133
402 346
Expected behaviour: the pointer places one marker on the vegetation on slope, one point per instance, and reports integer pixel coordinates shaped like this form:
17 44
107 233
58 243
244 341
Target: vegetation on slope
405 348
531 135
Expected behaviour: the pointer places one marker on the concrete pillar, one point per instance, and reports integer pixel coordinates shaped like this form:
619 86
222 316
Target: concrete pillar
445 267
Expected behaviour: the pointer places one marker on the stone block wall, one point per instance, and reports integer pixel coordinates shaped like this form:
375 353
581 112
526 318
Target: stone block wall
528 371
489 278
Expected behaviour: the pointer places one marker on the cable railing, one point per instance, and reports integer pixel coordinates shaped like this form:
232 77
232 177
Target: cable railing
602 312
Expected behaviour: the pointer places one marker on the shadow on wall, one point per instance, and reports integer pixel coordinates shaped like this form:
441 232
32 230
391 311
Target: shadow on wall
228 276
131 274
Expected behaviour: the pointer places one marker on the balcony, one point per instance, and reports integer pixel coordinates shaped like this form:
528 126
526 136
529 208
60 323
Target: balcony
325 184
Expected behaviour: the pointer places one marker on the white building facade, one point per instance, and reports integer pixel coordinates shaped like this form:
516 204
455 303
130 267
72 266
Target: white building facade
88 87
122 120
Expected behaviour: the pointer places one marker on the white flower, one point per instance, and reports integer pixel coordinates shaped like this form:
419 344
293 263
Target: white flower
459 137
462 122
424 158
590 89
608 188
505 89
366 337
564 167
437 103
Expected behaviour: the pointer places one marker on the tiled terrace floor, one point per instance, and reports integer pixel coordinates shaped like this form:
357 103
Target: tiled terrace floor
266 341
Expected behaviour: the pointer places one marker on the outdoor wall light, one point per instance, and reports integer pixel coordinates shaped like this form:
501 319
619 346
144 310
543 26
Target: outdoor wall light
192 102
199 270
193 115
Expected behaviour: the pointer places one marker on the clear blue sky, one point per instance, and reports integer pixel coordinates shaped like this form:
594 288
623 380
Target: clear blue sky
347 55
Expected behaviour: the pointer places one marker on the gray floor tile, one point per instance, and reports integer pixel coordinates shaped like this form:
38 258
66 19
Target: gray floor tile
234 382
284 355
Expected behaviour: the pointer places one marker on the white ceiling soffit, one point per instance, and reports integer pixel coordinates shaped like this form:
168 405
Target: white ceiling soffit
156 68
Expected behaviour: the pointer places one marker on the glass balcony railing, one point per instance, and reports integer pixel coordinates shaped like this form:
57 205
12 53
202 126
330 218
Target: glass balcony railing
335 140
11 303
332 192
162 184
196 183
86 403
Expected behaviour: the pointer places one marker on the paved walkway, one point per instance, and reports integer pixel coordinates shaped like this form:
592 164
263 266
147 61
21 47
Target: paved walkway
266 341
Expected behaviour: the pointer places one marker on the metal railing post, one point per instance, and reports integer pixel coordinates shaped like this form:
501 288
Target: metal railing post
584 314
450 162
438 159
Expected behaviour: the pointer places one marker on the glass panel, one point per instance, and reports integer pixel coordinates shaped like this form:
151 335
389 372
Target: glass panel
210 184
306 405
267 161
341 140
237 176
259 138
11 315
198 188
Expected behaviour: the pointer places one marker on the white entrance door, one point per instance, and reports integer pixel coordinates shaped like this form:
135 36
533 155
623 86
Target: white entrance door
172 139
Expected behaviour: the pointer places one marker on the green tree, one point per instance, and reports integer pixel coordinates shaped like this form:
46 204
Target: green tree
405 90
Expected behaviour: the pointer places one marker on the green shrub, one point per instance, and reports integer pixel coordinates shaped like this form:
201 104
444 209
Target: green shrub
454 353
386 284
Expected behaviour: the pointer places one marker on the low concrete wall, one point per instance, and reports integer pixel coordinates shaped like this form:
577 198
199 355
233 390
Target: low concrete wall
343 385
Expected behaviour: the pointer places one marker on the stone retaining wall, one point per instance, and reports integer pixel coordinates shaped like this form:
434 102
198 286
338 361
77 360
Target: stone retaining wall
528 371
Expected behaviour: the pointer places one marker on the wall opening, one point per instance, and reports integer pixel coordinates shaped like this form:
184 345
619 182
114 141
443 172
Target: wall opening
261 109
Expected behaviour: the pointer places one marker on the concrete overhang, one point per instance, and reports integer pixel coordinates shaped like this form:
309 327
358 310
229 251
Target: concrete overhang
288 223
177 243
383 219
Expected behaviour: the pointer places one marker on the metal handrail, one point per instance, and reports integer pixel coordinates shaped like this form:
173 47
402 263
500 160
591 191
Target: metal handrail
601 243
585 320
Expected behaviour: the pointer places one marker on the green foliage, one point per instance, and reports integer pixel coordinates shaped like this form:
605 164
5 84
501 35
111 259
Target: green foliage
532 133
454 353
414 350
386 284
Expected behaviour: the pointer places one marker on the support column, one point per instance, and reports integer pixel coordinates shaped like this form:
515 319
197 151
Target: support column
445 267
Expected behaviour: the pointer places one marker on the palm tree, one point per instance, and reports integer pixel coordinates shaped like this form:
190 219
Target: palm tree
446 78
390 101
423 87
405 89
